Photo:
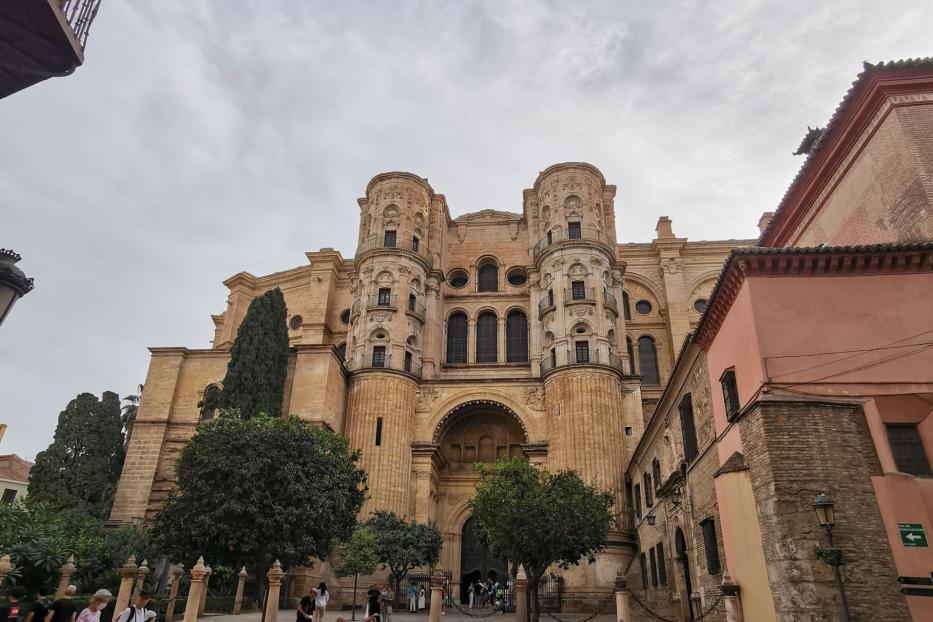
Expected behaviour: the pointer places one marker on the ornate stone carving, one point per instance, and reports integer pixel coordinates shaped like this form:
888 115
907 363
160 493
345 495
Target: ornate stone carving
534 398
513 230
426 396
461 231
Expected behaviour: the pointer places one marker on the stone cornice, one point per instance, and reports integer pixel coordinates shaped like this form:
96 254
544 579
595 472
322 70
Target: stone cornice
914 257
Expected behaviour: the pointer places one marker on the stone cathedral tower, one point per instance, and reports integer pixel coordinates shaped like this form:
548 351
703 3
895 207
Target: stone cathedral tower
449 341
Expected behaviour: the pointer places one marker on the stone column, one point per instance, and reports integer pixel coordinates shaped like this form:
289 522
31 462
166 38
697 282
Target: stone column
207 585
471 340
66 571
194 592
127 576
521 595
696 603
730 598
5 566
500 354
141 575
173 594
623 608
272 600
238 599
437 595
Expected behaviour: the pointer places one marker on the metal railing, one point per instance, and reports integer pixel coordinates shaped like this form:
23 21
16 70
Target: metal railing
610 300
381 302
406 365
544 305
585 294
587 234
582 357
416 308
80 14
411 244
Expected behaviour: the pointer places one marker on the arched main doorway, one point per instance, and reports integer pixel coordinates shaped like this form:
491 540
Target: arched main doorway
475 561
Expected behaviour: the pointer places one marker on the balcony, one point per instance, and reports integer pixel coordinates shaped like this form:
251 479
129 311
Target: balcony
559 236
545 305
381 302
582 357
407 365
408 244
416 308
609 300
41 39
580 294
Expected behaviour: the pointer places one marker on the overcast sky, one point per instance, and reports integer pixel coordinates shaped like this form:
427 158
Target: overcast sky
205 138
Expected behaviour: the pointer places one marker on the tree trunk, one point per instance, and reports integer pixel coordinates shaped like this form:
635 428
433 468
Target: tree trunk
534 614
353 610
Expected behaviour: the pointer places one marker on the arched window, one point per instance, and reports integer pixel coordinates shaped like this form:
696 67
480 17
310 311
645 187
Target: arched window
486 338
516 338
648 360
626 306
457 338
630 348
488 278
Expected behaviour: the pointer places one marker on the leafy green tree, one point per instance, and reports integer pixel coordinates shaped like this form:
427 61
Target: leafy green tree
211 402
80 469
357 556
539 519
404 545
250 491
255 380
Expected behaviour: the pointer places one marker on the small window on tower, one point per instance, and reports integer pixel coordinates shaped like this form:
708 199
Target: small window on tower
295 322
378 431
574 232
345 316
389 240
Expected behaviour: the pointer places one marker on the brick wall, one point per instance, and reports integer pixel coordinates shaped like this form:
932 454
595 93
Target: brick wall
794 450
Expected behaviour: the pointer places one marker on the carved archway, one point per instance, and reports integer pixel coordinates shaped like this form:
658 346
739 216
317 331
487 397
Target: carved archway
464 409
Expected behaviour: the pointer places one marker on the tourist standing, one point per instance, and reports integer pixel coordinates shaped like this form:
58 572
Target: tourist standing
373 609
98 602
10 608
321 597
64 608
371 594
412 598
421 599
387 597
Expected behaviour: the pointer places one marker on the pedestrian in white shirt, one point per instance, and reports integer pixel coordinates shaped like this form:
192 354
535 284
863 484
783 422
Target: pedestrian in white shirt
321 596
138 612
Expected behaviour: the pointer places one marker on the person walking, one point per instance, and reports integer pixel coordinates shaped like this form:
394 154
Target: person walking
371 594
412 598
388 596
92 612
321 597
38 609
63 609
373 608
10 608
139 612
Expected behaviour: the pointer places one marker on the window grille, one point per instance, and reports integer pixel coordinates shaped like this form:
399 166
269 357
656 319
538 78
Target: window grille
379 356
907 447
573 231
578 290
389 240
457 338
648 360
709 543
488 278
582 351
516 337
730 394
487 327
688 428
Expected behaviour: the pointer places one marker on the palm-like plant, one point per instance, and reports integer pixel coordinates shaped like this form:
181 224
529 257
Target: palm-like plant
129 411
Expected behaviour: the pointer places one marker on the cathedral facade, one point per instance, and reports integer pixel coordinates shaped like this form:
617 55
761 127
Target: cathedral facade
447 341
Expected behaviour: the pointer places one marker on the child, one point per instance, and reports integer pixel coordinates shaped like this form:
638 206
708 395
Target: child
98 602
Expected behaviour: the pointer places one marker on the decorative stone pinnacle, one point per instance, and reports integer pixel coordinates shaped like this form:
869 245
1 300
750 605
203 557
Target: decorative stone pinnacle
131 560
199 567
5 564
243 571
145 563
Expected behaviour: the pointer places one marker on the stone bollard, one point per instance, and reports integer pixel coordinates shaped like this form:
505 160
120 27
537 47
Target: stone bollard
207 587
238 600
272 599
194 592
5 566
521 595
141 575
730 598
127 576
437 595
623 607
66 571
177 571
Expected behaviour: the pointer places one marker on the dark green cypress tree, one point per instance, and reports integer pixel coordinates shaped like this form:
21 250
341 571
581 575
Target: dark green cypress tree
255 380
80 469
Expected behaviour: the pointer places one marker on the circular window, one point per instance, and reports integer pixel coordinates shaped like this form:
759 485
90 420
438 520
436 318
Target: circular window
295 322
516 277
345 316
699 305
380 335
643 307
458 278
581 330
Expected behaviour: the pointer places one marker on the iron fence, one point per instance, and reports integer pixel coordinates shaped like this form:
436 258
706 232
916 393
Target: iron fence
80 14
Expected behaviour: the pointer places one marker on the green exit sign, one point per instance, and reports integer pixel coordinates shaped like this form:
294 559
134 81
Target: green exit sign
912 534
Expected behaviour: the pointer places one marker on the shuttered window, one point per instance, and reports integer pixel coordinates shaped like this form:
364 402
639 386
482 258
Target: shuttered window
457 338
688 428
730 394
654 568
487 327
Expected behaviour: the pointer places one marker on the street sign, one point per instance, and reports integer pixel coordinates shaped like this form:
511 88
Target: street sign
912 534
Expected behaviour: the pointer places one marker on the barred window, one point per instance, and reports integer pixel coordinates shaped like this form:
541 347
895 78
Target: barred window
688 428
488 278
457 338
662 564
648 360
626 306
709 543
907 447
730 394
487 327
516 337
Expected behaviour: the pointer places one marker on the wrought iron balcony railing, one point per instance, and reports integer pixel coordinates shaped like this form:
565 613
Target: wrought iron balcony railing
610 300
382 302
80 14
407 365
545 305
588 234
579 294
411 244
576 356
416 308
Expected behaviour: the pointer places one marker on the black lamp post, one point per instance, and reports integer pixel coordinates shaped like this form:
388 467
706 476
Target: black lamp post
14 284
823 506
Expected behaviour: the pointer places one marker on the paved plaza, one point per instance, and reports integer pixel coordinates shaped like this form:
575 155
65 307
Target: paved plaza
452 615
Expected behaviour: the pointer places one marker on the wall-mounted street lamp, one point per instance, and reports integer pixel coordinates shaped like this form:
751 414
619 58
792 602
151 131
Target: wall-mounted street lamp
675 496
14 284
825 514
